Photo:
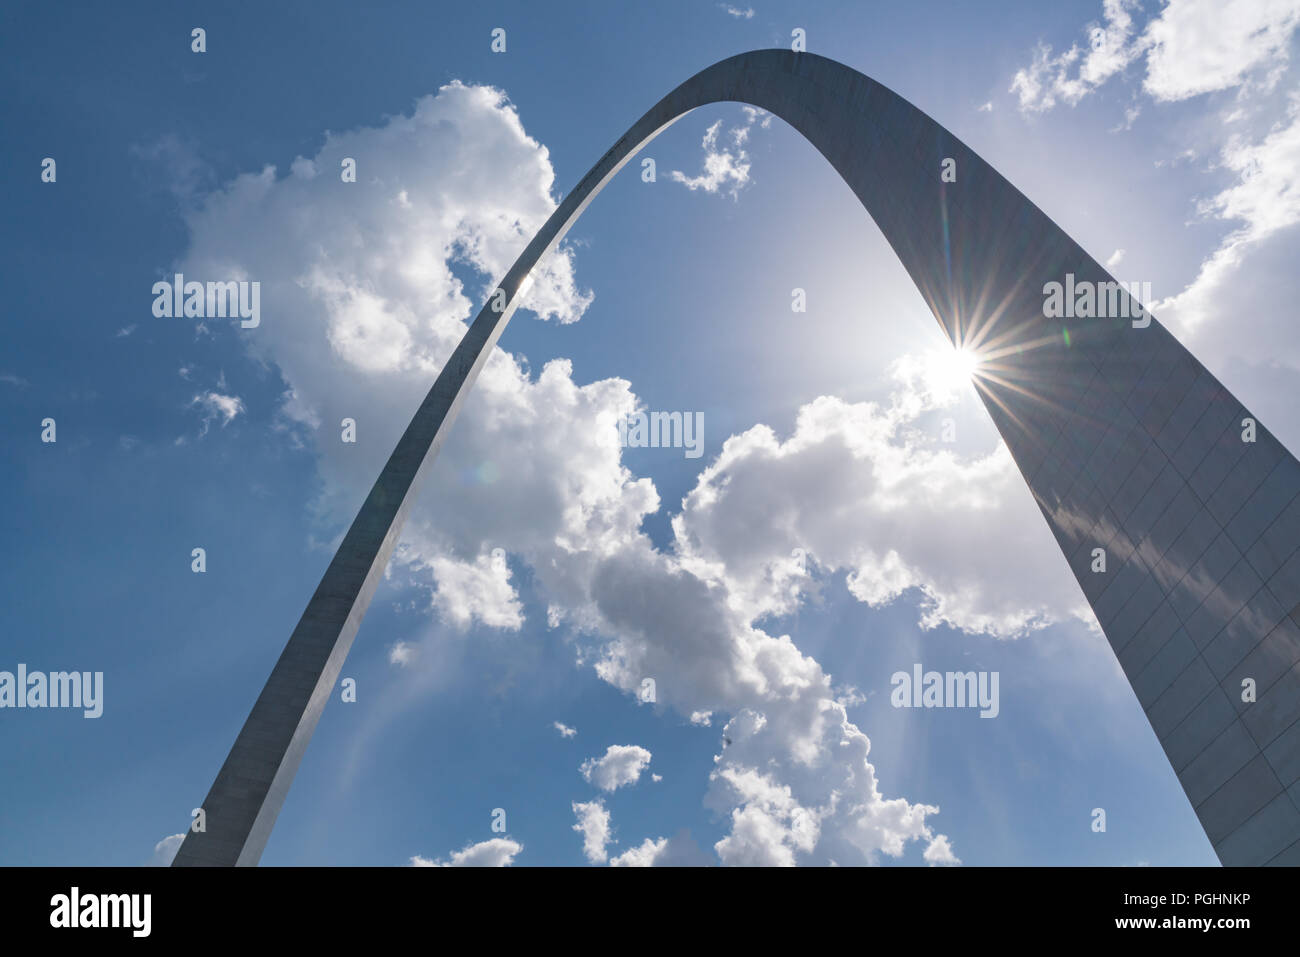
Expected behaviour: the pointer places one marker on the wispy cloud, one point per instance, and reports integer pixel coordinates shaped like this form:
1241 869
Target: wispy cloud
177 167
402 653
726 164
1070 76
214 406
1191 47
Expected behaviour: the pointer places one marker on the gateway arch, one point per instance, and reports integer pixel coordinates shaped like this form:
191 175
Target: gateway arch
1131 448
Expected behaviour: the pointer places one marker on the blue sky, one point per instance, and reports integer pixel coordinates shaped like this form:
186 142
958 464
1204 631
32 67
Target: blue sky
1168 147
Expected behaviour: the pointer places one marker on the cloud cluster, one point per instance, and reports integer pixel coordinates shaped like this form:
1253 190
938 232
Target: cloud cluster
1263 202
1071 75
1186 49
858 487
1191 47
364 296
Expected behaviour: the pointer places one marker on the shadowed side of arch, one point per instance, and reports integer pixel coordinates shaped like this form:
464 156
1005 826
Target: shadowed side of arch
1128 444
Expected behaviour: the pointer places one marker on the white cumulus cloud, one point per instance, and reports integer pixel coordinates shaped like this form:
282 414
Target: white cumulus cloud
593 825
164 852
619 766
1199 46
676 851
497 852
475 590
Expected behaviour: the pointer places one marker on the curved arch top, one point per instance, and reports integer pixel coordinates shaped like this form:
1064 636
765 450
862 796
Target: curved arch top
1128 444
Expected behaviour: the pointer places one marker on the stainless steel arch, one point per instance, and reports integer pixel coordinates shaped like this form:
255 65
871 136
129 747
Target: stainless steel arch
1128 444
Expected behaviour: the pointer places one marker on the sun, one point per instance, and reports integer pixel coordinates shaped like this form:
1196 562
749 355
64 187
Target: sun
948 368
948 373
964 362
